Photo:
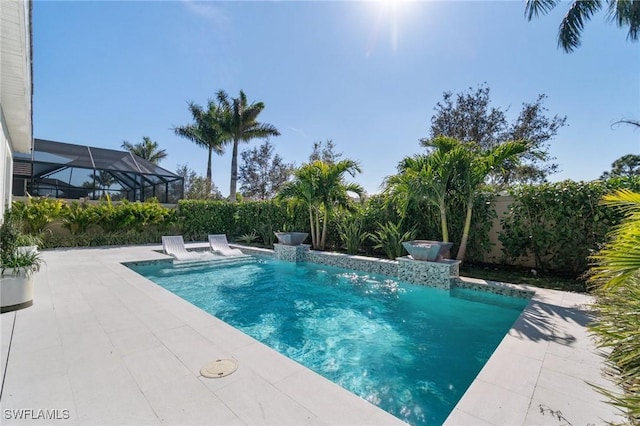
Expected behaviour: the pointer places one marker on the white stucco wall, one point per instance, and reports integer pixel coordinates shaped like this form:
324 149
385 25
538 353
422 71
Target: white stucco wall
6 166
15 90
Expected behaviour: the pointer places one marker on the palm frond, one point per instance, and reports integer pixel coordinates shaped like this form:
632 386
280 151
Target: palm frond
623 199
619 260
626 12
259 131
573 23
534 8
223 99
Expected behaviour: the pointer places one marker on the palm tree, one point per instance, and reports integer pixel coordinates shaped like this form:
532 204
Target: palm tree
147 149
322 189
334 190
615 277
102 180
472 168
239 123
426 177
206 131
619 260
623 12
303 190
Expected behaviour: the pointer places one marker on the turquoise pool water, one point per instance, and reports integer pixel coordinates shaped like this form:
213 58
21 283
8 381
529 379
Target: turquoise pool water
411 350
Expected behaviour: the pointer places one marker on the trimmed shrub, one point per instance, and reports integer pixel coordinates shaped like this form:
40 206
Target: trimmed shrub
199 218
561 224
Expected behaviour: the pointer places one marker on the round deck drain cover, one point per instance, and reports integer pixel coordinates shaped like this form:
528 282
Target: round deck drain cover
219 368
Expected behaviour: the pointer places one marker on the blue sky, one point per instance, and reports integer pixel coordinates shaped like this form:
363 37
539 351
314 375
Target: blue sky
365 74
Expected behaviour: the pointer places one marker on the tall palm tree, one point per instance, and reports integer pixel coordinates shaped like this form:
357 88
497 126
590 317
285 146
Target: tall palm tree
623 12
206 131
426 177
147 149
322 188
472 169
240 123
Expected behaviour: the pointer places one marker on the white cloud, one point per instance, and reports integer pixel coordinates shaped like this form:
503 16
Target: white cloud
207 10
300 132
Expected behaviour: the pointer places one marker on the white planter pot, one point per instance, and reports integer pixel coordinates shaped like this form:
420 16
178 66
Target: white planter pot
16 291
27 249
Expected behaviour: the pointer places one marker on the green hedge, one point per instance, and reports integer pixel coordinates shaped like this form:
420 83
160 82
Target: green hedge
199 218
561 224
137 223
558 224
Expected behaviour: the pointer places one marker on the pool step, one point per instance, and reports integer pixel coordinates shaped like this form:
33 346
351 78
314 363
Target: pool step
221 261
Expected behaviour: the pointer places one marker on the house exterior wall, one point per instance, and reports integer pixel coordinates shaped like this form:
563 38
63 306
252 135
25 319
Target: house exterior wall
6 166
15 90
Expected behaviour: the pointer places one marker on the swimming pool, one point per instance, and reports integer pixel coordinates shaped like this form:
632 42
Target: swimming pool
412 350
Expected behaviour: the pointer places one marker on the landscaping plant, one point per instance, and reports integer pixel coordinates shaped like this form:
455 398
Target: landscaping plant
473 165
78 217
425 177
248 238
36 213
11 257
616 281
389 238
351 232
320 187
561 224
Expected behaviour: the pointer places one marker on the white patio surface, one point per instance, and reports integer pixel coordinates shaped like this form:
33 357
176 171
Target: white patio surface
113 348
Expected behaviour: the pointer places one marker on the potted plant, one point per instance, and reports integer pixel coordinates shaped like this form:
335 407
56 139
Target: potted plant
28 243
16 270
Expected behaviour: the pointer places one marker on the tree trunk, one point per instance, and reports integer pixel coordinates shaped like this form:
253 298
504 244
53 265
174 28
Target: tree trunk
465 233
208 188
323 241
317 245
234 172
443 222
313 231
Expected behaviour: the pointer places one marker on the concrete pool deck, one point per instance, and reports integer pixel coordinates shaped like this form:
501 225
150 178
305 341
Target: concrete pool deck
104 346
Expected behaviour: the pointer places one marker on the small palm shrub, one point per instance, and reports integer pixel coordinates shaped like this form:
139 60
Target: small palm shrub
616 281
389 238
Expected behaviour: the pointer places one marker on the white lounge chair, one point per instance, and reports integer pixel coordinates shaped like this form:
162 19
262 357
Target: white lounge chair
174 246
220 245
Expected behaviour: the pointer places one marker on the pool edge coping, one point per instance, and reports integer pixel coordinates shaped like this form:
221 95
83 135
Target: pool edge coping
467 406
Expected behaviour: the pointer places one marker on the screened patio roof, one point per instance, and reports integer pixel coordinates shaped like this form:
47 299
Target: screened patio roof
49 158
88 157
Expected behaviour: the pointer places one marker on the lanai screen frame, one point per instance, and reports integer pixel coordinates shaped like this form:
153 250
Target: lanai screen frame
138 178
